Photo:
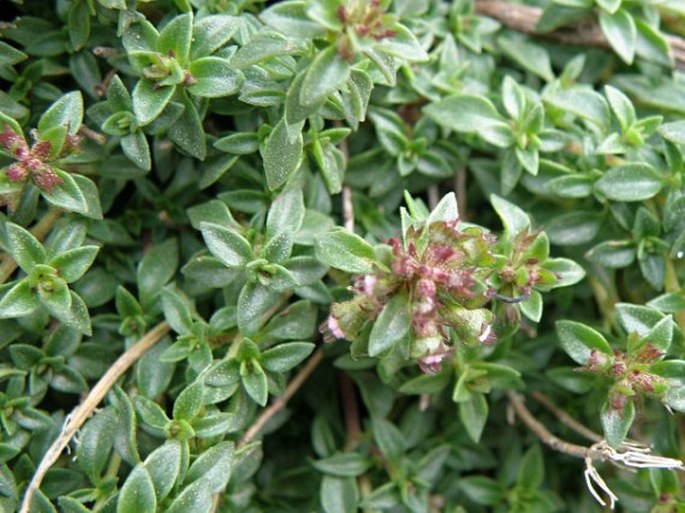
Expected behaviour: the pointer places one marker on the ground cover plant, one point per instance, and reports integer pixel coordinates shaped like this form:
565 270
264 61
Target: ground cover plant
342 255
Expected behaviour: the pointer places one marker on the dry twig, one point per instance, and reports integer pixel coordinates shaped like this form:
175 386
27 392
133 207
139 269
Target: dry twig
524 18
76 418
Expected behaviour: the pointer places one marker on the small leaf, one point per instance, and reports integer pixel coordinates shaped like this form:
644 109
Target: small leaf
156 268
189 403
150 100
65 111
254 381
164 465
215 77
463 113
579 340
391 326
339 494
176 36
325 75
474 414
346 251
138 492
24 247
345 464
513 218
635 181
284 357
281 155
619 28
227 245
74 263
213 467
615 422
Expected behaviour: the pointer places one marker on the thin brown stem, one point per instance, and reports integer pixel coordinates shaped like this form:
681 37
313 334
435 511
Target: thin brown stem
39 231
566 419
553 441
460 186
523 18
280 402
353 428
81 413
348 209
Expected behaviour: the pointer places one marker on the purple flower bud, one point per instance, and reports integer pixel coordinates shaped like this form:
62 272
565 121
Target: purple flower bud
334 327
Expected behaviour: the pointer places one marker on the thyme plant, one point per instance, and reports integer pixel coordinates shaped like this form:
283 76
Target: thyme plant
342 255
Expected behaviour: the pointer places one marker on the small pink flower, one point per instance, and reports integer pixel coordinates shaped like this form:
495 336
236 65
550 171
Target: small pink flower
334 327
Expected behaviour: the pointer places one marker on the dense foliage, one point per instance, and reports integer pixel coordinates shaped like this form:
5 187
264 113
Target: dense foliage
338 242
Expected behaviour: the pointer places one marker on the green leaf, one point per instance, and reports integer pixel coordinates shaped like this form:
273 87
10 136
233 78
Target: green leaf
613 254
622 107
403 45
95 443
346 251
65 111
79 25
579 340
463 113
138 492
391 326
637 318
567 271
74 263
532 307
266 45
574 228
583 102
282 155
254 381
175 38
213 467
156 268
619 28
343 464
661 335
674 131
513 218
617 422
427 383
532 469
634 181
239 143
211 33
176 311
136 148
253 302
187 131
149 100
389 438
652 45
25 249
227 245
284 357
194 498
189 403
528 55
215 77
278 248
164 466
286 213
482 490
474 414
325 75
291 19
339 494
675 398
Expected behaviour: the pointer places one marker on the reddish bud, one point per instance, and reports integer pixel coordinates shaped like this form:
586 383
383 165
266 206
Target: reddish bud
46 179
16 173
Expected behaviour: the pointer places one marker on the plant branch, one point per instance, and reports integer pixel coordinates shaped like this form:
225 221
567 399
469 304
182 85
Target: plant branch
280 402
566 419
523 18
545 435
80 414
628 455
39 231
